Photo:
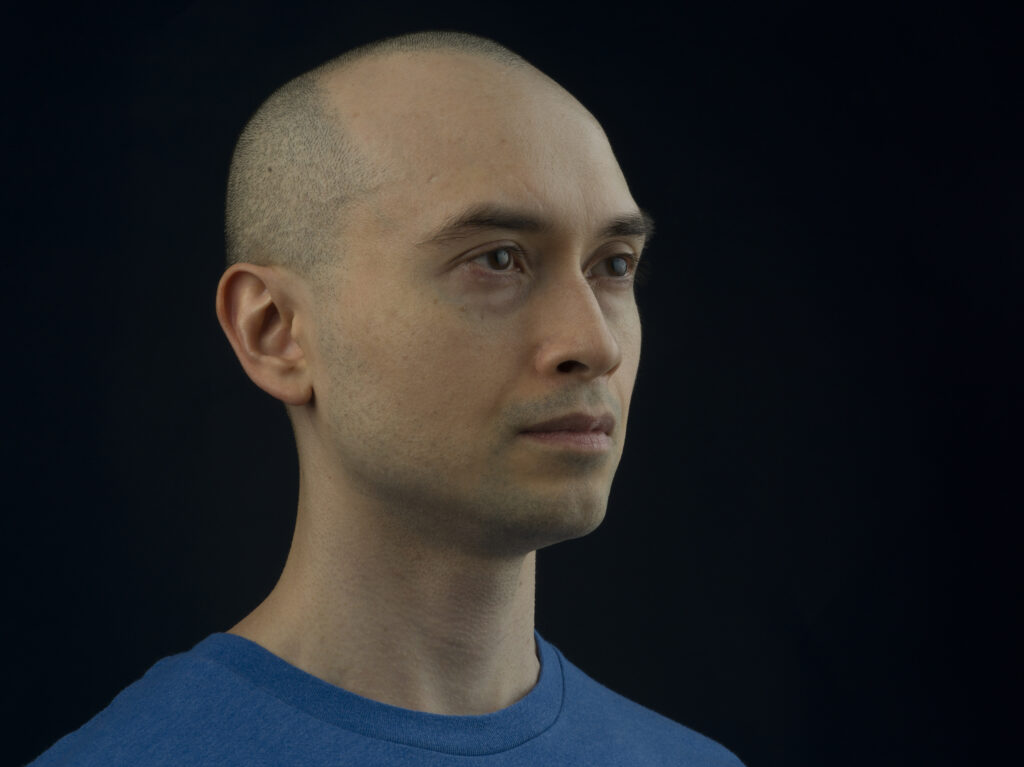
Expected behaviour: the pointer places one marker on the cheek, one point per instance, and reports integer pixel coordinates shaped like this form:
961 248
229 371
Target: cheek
634 336
630 340
434 361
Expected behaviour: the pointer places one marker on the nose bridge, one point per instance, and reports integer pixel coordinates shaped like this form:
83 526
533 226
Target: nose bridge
574 332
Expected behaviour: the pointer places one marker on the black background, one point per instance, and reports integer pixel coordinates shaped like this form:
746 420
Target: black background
811 553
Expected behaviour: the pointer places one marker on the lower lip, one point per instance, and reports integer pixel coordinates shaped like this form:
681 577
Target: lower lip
591 441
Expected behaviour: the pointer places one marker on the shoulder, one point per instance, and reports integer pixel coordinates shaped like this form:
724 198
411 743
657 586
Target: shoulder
182 703
614 723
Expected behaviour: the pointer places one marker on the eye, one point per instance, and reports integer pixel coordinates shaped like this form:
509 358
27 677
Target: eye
620 265
498 259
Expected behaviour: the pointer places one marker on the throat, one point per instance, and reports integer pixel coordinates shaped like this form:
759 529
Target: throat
442 636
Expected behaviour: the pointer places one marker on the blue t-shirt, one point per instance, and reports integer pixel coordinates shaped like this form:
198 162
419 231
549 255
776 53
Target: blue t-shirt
229 701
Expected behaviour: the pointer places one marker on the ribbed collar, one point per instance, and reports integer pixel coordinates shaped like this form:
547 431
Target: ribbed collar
465 735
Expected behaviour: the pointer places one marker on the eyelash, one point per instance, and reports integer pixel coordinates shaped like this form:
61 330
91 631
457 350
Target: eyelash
638 268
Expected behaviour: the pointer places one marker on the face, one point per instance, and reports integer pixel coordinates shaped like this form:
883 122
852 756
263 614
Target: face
484 287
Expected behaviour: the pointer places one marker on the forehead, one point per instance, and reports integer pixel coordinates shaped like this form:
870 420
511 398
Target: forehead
450 129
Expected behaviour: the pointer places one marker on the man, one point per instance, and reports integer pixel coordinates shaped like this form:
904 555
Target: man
431 257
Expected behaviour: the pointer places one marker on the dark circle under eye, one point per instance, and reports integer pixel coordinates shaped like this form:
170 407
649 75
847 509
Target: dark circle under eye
619 265
500 259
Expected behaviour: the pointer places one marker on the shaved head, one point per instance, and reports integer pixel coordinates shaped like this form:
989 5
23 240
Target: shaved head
295 167
453 246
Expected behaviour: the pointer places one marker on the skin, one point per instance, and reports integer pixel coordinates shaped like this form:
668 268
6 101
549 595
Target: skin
412 368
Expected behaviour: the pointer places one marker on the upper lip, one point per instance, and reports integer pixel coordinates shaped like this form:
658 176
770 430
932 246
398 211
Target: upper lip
603 422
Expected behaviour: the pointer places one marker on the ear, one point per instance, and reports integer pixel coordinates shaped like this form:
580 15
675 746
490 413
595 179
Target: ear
257 308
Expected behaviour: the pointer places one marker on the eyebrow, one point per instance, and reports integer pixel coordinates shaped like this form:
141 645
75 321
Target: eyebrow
491 216
638 224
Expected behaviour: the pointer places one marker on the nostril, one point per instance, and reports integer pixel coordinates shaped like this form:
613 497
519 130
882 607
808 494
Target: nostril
569 366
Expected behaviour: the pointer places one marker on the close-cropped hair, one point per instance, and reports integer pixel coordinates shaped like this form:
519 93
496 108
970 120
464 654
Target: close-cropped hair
294 169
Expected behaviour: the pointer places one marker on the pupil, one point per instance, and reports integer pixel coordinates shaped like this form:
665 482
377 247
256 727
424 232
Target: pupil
501 258
619 266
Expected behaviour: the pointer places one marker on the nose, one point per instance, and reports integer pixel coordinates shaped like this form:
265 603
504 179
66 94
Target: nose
574 333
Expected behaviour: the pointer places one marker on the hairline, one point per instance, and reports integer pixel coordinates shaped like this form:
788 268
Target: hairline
283 231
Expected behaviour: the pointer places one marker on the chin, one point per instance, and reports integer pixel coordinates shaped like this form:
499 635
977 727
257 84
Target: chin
535 523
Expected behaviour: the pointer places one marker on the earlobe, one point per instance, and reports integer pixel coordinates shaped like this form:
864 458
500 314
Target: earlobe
258 314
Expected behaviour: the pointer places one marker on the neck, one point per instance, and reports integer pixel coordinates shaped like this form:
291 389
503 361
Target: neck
368 607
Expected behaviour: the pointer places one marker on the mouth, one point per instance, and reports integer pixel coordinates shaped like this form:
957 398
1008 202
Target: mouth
576 431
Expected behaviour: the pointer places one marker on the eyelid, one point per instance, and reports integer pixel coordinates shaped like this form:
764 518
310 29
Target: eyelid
632 256
519 253
516 251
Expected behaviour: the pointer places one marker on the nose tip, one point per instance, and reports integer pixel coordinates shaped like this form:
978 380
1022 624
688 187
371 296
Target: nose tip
577 339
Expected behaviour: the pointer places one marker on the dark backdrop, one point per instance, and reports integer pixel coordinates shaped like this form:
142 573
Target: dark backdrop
811 548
